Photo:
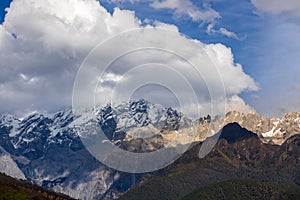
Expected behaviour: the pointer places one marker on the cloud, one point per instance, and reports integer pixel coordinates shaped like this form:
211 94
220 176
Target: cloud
53 37
237 103
288 8
223 31
227 33
232 103
213 65
39 65
181 8
185 8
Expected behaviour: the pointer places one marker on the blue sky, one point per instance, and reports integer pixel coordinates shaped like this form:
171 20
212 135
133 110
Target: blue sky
264 41
3 4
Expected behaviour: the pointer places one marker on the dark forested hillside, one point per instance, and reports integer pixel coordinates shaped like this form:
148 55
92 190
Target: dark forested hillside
11 188
239 154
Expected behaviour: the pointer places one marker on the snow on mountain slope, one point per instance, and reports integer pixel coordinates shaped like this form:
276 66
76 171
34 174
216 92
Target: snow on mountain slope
49 153
10 121
47 149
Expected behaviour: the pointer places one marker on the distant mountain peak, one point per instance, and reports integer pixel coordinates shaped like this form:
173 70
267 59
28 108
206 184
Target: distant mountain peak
274 130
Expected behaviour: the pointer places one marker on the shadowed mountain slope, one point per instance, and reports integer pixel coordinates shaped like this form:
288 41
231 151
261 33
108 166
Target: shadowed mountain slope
11 188
238 154
245 189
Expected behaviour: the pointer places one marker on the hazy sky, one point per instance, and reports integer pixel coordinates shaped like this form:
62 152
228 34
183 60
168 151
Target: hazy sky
255 43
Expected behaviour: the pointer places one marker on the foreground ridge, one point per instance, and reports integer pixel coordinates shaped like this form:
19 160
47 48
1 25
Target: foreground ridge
273 170
11 188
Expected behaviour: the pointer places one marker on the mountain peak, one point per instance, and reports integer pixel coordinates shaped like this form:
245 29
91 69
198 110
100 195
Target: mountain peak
8 119
233 132
274 130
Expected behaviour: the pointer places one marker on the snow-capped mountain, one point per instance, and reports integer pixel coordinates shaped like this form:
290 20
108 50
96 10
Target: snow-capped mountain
122 120
47 150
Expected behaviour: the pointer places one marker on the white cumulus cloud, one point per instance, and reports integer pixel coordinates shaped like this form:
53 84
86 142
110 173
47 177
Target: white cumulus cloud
43 43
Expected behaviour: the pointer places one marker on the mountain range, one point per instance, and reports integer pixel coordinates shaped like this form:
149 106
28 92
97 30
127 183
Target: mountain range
238 154
46 150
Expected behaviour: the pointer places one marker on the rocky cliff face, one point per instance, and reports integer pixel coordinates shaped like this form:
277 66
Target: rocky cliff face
273 130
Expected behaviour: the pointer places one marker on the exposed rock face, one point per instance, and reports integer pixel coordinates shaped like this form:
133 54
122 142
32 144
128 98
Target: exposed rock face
274 131
9 167
269 130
